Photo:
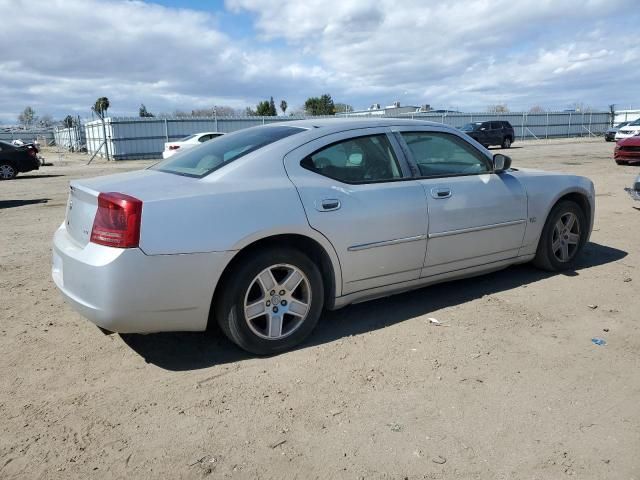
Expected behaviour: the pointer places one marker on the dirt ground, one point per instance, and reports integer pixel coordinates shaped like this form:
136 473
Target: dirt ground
511 387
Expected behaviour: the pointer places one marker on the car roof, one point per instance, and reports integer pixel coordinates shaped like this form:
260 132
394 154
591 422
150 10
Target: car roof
341 124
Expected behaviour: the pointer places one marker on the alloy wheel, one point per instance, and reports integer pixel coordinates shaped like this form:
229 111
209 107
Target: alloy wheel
277 301
7 172
565 240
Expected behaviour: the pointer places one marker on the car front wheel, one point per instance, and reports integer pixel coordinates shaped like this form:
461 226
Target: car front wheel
271 302
7 171
563 236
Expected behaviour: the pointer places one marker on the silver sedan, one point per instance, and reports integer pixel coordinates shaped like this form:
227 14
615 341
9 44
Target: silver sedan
264 228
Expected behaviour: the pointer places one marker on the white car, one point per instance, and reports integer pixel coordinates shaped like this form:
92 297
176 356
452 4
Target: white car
629 130
171 148
262 229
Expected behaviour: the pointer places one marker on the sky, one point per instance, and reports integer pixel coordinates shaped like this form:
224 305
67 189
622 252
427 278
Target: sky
59 56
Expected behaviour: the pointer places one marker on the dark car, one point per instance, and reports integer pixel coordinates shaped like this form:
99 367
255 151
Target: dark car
15 159
610 134
491 133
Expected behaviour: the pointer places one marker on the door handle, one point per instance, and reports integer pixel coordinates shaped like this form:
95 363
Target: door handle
329 204
441 192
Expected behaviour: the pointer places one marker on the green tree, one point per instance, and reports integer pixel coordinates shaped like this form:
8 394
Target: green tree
322 105
27 117
101 106
283 106
262 109
266 108
142 112
272 108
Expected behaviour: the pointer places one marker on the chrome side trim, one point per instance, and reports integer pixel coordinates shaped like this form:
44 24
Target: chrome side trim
476 229
384 243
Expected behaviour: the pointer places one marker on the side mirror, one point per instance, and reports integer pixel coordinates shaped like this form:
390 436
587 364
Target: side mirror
501 163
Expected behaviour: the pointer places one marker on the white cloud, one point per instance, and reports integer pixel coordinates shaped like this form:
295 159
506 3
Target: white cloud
467 54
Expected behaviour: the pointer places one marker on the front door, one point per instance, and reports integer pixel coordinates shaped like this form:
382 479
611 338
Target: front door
356 190
476 216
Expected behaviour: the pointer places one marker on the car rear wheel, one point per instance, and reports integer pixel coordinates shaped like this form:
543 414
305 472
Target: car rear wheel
563 236
271 302
7 171
506 142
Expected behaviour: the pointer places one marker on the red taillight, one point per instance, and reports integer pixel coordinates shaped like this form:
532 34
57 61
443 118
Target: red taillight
117 222
174 147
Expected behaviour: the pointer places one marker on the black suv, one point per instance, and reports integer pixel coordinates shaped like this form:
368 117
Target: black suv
491 133
15 159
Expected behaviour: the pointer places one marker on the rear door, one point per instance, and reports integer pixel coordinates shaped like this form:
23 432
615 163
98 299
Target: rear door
357 190
476 216
496 133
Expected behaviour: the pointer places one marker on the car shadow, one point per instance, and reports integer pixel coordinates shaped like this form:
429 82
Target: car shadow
26 176
193 351
20 203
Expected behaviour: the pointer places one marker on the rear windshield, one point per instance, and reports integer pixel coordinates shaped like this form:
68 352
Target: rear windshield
209 156
635 122
469 127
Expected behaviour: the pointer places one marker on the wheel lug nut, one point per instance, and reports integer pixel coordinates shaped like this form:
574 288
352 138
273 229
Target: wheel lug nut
283 303
275 309
268 303
281 292
273 292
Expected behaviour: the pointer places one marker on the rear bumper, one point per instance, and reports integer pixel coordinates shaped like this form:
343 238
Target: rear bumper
29 165
126 291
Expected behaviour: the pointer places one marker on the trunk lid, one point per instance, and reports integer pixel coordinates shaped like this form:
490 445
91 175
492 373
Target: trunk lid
81 210
145 185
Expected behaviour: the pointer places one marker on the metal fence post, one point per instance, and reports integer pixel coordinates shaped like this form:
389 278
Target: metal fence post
104 135
166 129
523 121
569 126
546 128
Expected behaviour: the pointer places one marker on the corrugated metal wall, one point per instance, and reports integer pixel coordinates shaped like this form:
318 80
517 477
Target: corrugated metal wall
138 138
70 138
533 125
28 136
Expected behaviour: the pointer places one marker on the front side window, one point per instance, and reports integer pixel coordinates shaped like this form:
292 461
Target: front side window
357 160
200 161
443 154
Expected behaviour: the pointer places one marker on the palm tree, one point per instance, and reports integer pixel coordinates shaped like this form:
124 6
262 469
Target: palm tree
101 106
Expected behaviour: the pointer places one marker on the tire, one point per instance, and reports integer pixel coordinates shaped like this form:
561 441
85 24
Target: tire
559 247
506 142
620 162
262 332
7 171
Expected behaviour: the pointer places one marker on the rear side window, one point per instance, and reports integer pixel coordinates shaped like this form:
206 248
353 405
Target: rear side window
204 159
496 125
357 160
442 154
